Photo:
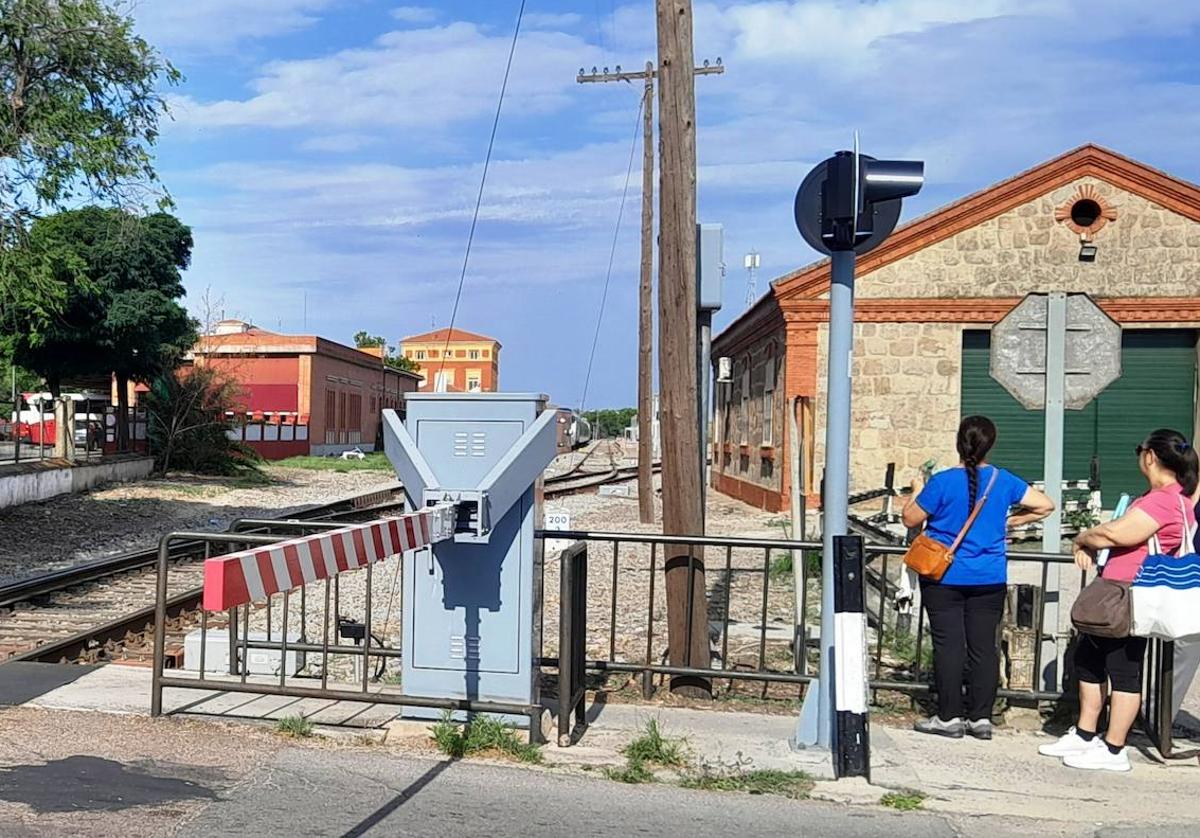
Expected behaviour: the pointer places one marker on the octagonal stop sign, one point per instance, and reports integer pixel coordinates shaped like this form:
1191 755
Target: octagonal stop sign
1092 351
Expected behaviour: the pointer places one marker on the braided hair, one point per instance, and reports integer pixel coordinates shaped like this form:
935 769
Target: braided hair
976 436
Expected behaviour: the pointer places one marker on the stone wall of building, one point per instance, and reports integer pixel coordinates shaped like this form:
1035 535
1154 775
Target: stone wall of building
906 399
1147 250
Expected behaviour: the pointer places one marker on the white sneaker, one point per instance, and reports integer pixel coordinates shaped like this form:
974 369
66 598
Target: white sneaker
1067 745
1099 758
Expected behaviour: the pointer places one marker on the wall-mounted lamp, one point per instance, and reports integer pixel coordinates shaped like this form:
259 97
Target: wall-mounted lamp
1087 250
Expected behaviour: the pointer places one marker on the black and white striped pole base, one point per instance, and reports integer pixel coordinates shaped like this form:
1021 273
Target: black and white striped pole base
851 734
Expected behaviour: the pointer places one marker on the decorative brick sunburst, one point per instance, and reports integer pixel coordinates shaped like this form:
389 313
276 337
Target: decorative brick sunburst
1086 212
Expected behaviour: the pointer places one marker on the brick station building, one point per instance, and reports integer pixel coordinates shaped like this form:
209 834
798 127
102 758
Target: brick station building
926 302
304 394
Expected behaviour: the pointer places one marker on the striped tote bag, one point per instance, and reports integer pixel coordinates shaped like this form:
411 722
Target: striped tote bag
1166 591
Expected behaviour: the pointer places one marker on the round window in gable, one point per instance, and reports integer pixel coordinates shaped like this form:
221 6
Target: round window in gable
1086 212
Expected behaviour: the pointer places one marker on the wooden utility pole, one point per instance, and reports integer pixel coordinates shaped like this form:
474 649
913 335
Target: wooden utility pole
687 604
645 289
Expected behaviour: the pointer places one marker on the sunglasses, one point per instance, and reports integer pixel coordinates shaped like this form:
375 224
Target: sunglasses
1140 450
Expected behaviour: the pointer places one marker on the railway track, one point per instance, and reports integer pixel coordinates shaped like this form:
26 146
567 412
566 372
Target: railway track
85 612
95 610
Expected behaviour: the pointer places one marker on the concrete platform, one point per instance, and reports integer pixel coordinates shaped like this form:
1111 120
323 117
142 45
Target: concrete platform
29 482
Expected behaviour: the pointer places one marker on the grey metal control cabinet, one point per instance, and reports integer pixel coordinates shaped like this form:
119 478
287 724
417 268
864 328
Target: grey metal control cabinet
469 603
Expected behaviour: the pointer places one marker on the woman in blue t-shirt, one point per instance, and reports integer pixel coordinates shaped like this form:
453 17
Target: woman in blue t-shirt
966 605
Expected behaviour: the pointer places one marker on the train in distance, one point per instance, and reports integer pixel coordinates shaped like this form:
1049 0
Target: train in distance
574 431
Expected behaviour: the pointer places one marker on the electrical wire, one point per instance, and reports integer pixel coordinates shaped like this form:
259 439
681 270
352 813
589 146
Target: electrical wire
612 255
487 160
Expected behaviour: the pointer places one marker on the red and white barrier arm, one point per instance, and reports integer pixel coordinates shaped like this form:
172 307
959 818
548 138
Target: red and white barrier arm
254 575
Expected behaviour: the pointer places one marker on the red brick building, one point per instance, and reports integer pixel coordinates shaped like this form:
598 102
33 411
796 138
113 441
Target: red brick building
461 360
303 394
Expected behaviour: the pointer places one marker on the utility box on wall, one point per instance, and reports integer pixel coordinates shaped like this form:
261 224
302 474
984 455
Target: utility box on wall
469 603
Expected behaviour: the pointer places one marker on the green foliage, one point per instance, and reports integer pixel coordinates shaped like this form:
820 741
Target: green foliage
398 362
481 735
1079 519
792 784
81 107
297 727
121 282
632 772
652 747
187 423
904 801
363 340
375 461
903 647
781 566
610 423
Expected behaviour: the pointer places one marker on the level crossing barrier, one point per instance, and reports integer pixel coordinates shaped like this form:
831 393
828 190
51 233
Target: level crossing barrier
261 572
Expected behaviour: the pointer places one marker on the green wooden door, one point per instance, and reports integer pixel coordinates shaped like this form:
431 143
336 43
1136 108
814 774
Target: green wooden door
1157 389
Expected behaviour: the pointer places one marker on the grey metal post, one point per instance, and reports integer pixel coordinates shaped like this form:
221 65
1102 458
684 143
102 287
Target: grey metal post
1056 350
837 466
704 368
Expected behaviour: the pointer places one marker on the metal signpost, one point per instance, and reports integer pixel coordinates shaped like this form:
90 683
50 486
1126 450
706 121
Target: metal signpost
710 275
847 205
1055 352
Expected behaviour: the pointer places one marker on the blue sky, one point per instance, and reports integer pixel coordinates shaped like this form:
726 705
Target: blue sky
331 149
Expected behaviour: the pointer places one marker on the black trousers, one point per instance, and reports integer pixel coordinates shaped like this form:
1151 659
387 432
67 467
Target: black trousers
964 621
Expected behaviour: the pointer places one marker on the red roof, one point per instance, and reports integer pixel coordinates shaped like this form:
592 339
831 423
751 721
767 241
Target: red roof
441 335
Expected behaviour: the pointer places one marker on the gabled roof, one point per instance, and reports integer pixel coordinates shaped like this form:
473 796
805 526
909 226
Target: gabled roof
441 335
1089 160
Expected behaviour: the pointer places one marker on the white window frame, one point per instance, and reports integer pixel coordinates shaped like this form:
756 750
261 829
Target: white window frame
768 403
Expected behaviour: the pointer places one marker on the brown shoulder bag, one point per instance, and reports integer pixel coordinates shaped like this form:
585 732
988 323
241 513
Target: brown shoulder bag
931 559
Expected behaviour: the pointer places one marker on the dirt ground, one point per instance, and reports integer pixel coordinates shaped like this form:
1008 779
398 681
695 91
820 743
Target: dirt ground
73 529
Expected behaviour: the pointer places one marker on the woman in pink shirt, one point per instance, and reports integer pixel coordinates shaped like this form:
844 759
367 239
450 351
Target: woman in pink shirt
1171 467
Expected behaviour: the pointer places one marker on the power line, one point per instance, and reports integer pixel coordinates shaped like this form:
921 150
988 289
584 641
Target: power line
612 254
482 182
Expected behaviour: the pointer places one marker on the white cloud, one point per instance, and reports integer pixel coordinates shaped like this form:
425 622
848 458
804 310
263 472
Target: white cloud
415 14
219 24
425 79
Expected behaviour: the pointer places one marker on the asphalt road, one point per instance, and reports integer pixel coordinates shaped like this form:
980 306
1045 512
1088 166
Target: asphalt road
332 793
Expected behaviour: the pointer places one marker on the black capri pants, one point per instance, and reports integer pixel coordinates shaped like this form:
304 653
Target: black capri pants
1115 659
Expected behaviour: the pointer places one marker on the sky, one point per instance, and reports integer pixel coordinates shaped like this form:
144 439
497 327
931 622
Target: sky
327 153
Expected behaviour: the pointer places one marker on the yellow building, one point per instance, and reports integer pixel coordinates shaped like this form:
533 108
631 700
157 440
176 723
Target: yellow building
453 360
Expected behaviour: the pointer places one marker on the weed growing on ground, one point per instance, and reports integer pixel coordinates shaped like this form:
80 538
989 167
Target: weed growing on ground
297 727
633 772
652 747
793 784
904 801
781 566
480 735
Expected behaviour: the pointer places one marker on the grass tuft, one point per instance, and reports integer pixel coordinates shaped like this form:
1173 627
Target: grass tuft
903 801
652 747
481 735
297 727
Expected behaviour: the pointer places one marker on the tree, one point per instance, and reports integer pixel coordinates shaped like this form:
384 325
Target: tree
188 420
80 104
363 340
121 313
610 423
